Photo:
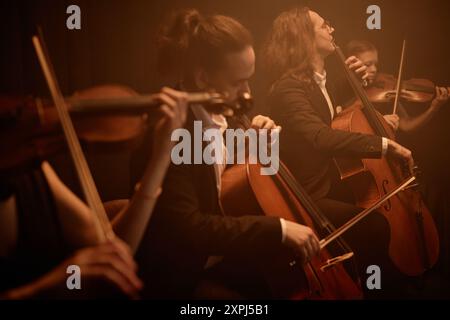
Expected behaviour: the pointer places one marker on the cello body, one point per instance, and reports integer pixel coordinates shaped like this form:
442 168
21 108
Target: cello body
245 191
414 240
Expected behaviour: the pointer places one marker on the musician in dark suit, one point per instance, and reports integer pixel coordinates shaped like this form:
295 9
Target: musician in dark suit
188 233
306 118
303 101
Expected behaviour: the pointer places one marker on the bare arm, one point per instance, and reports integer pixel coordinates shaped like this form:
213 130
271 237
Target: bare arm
75 216
8 226
131 223
410 124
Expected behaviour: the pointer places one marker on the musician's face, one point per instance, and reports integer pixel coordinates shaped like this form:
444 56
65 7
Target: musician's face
323 34
233 76
370 59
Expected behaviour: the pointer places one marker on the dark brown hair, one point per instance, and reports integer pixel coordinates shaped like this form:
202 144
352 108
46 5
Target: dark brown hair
355 47
190 40
289 47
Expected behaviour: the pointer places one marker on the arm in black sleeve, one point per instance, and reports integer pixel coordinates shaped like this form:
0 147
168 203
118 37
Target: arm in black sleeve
291 106
212 234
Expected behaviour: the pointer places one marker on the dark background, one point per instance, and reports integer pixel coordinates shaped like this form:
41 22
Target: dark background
116 45
116 40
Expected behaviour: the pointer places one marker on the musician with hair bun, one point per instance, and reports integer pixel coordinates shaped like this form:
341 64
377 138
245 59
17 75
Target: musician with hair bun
191 248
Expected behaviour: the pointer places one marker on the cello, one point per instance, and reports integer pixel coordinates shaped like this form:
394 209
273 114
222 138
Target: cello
246 191
414 241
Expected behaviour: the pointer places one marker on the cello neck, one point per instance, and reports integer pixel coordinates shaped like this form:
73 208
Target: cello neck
305 199
368 108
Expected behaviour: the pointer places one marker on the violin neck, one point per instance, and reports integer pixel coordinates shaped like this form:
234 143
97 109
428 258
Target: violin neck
135 104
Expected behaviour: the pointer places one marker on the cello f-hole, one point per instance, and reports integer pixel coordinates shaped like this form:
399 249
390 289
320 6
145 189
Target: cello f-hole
388 205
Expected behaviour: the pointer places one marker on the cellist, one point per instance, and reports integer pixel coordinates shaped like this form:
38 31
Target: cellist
189 230
368 54
303 101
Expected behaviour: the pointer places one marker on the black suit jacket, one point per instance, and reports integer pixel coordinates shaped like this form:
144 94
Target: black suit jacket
307 141
187 226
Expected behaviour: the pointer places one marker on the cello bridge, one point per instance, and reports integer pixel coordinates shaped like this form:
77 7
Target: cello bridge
331 262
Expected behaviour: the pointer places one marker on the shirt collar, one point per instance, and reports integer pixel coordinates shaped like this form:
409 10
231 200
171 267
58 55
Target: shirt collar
209 120
320 78
220 122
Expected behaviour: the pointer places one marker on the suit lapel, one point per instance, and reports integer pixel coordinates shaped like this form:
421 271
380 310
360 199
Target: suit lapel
330 90
208 185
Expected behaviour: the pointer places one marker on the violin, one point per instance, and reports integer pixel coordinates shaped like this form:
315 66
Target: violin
111 117
414 241
383 89
36 115
32 129
105 113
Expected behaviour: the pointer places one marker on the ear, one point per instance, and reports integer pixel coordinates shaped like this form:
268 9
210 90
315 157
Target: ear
201 79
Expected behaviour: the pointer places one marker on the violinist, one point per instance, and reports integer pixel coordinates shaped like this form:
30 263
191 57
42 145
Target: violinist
303 101
45 227
191 249
368 54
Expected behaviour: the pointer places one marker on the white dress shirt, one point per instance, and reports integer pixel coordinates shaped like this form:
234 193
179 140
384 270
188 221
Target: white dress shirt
321 80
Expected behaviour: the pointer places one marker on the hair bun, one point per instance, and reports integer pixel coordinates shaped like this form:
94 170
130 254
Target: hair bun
184 25
174 40
191 19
